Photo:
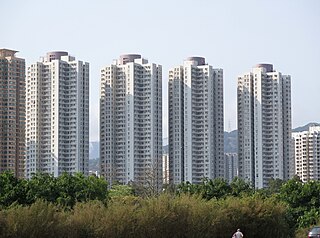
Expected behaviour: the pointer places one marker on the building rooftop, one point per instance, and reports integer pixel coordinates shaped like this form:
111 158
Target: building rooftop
55 55
199 60
128 58
7 52
268 67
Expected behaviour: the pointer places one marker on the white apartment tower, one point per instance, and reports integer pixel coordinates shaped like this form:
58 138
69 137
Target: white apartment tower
307 153
195 122
57 112
264 126
131 121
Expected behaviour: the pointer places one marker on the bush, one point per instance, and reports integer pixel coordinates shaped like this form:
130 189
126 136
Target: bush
254 216
41 219
120 218
302 232
85 219
3 224
166 215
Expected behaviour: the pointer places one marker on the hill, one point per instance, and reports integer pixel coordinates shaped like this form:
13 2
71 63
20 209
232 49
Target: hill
305 127
94 150
231 141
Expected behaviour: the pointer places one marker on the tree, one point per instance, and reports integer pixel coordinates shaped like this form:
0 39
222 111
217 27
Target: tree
12 189
41 186
216 188
240 187
274 185
79 188
151 183
66 189
120 191
303 200
188 188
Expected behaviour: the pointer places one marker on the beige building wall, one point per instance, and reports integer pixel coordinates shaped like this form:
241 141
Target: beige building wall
12 112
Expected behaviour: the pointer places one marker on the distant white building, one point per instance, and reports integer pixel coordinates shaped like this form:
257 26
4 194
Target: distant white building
57 113
264 126
195 122
131 121
231 166
165 168
307 153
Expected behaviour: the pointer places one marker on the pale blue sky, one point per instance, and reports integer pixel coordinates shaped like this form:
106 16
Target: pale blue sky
232 35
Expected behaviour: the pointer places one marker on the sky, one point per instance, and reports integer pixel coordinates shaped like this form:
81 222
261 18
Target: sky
232 35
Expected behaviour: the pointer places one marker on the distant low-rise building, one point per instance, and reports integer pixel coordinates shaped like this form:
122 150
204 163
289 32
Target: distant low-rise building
307 153
231 166
165 168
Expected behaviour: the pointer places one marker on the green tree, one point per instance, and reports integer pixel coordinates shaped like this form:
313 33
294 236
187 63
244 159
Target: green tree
239 187
93 188
79 188
303 200
274 185
216 188
41 186
66 189
120 191
12 189
188 188
291 191
310 217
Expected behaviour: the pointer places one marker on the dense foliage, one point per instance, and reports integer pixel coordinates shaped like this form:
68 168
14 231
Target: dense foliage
163 216
65 190
217 188
79 206
302 200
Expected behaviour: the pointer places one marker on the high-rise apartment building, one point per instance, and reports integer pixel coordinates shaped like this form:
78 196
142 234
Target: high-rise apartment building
195 122
131 121
307 153
231 166
12 112
264 126
57 131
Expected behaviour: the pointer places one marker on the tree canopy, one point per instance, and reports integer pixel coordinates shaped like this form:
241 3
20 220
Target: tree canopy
64 190
299 202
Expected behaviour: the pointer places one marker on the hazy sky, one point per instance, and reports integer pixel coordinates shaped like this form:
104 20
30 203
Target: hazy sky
232 35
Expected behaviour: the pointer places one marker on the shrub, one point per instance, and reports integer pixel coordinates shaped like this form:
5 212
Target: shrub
41 219
3 224
85 219
120 218
252 215
163 216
